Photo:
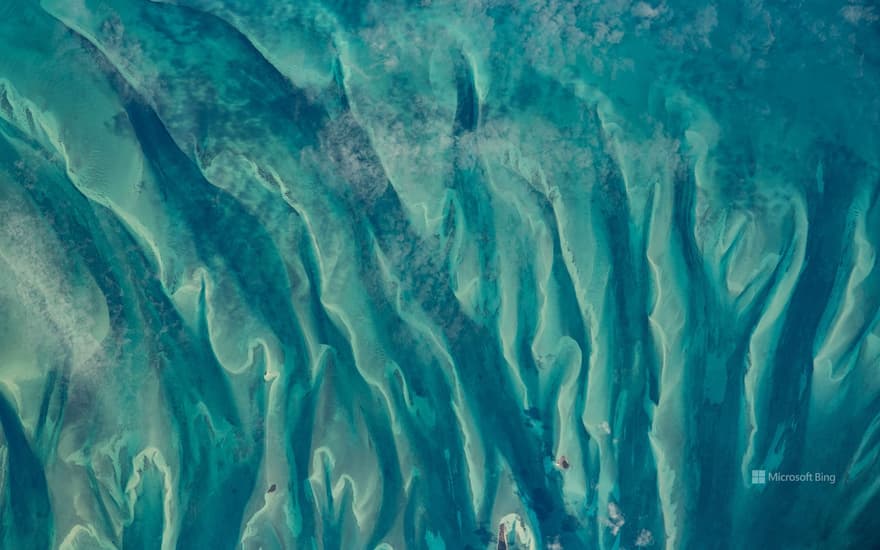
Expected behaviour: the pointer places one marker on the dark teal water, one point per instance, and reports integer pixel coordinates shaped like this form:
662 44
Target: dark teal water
439 274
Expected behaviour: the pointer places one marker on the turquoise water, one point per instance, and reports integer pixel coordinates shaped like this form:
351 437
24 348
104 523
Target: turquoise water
441 274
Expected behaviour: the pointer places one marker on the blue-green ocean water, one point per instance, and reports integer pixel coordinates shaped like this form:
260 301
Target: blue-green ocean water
449 274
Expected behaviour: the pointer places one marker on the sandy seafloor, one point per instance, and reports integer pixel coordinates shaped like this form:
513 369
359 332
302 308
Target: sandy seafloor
444 274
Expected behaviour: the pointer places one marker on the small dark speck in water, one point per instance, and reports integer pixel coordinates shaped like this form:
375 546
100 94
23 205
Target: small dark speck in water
271 488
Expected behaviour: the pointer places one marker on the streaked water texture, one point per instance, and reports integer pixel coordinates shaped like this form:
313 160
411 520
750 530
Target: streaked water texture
296 274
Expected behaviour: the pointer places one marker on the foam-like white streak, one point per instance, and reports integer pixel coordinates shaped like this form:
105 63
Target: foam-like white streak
854 312
764 338
152 456
83 537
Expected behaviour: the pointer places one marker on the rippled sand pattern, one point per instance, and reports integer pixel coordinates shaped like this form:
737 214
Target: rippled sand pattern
449 274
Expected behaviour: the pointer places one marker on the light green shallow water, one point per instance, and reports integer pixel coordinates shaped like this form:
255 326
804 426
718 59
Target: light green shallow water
439 275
